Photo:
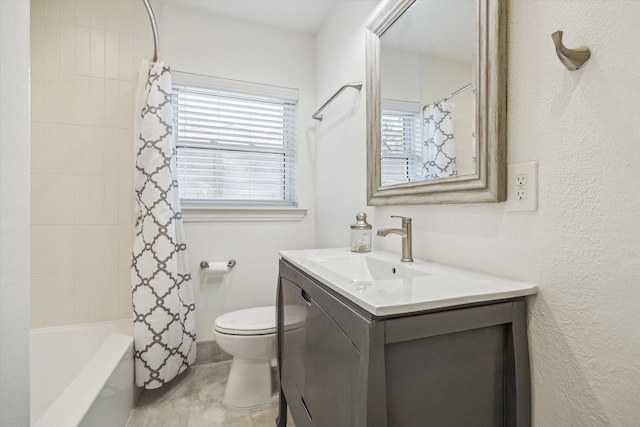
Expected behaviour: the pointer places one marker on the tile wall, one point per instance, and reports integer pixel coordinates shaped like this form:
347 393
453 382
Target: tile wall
84 60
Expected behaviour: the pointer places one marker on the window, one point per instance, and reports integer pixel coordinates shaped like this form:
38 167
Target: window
401 150
236 141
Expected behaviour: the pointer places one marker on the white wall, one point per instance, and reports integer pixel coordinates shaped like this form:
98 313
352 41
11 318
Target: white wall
582 246
14 213
84 61
232 49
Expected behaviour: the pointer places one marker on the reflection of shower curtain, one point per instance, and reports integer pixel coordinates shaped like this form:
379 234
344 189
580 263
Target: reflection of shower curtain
163 303
439 151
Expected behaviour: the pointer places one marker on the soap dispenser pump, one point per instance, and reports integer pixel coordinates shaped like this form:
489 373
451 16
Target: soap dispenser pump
361 234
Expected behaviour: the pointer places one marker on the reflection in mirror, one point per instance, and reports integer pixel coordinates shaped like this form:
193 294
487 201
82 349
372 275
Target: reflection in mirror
428 65
436 102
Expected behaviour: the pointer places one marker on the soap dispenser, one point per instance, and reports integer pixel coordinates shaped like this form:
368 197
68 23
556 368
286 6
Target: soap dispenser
361 234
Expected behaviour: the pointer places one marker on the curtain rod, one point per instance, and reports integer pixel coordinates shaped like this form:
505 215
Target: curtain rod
452 94
154 28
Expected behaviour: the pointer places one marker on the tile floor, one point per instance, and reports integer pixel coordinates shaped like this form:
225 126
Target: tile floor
194 399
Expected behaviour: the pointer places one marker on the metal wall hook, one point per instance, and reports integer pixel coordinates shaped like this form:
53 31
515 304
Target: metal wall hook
570 58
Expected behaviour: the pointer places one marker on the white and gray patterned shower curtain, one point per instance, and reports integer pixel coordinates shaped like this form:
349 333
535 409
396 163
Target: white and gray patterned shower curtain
163 303
439 150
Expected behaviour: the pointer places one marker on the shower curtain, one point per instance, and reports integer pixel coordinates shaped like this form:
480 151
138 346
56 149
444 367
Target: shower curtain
163 302
439 150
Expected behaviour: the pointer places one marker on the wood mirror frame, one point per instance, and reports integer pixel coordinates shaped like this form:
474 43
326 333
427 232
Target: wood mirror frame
488 184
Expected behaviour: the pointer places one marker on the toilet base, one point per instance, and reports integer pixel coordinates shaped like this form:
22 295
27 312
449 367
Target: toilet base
249 384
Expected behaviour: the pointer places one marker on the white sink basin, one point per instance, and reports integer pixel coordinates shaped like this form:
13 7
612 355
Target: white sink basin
383 285
365 267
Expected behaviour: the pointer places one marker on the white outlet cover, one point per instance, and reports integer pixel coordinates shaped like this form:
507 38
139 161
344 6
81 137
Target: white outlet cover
530 202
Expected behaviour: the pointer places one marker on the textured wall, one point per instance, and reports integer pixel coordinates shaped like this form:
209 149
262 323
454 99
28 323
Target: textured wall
14 213
583 244
84 61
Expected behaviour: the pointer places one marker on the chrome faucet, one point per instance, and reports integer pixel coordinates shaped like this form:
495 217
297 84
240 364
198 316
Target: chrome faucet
405 232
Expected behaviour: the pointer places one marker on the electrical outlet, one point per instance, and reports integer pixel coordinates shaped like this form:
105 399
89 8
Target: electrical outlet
522 187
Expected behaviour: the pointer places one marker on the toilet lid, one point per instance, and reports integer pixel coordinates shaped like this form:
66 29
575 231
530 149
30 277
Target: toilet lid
251 321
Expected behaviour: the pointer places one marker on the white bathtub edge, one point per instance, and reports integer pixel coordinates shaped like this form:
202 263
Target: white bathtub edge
85 388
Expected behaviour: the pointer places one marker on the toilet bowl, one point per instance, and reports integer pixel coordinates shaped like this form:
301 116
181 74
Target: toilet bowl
250 337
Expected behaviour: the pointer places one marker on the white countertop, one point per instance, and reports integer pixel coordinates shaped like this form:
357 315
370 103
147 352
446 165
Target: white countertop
430 285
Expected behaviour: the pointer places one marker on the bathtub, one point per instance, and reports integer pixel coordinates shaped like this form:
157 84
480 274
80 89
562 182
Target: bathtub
82 375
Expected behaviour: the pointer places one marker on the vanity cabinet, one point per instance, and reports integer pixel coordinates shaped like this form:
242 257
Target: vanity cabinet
341 366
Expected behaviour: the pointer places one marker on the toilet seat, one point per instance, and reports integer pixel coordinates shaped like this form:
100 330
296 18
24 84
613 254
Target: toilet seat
250 321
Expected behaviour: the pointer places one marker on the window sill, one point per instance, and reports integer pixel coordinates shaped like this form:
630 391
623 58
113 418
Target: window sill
193 213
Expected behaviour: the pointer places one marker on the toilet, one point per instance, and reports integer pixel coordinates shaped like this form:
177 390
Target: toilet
250 337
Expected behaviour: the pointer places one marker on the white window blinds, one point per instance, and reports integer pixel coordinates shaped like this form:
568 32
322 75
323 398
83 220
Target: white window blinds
401 150
236 141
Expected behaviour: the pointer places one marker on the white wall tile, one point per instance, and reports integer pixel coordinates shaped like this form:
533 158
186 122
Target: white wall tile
98 283
125 200
67 150
97 14
112 15
52 310
37 10
96 159
81 200
96 199
82 156
111 297
111 249
83 13
37 199
111 197
52 10
82 298
68 11
37 251
126 101
82 144
51 250
50 148
126 57
67 312
96 249
125 304
126 17
83 100
67 107
37 302
97 102
67 199
37 135
67 48
51 97
83 50
111 103
112 55
51 59
125 247
97 53
50 199
81 237
125 152
37 44
67 260
37 95
111 152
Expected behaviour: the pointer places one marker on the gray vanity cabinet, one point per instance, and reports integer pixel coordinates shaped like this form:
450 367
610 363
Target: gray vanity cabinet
320 362
341 366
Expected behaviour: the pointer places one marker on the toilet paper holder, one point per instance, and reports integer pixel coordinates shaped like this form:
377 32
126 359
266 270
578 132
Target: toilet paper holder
205 264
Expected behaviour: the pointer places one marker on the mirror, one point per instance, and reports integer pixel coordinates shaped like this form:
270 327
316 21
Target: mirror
436 103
